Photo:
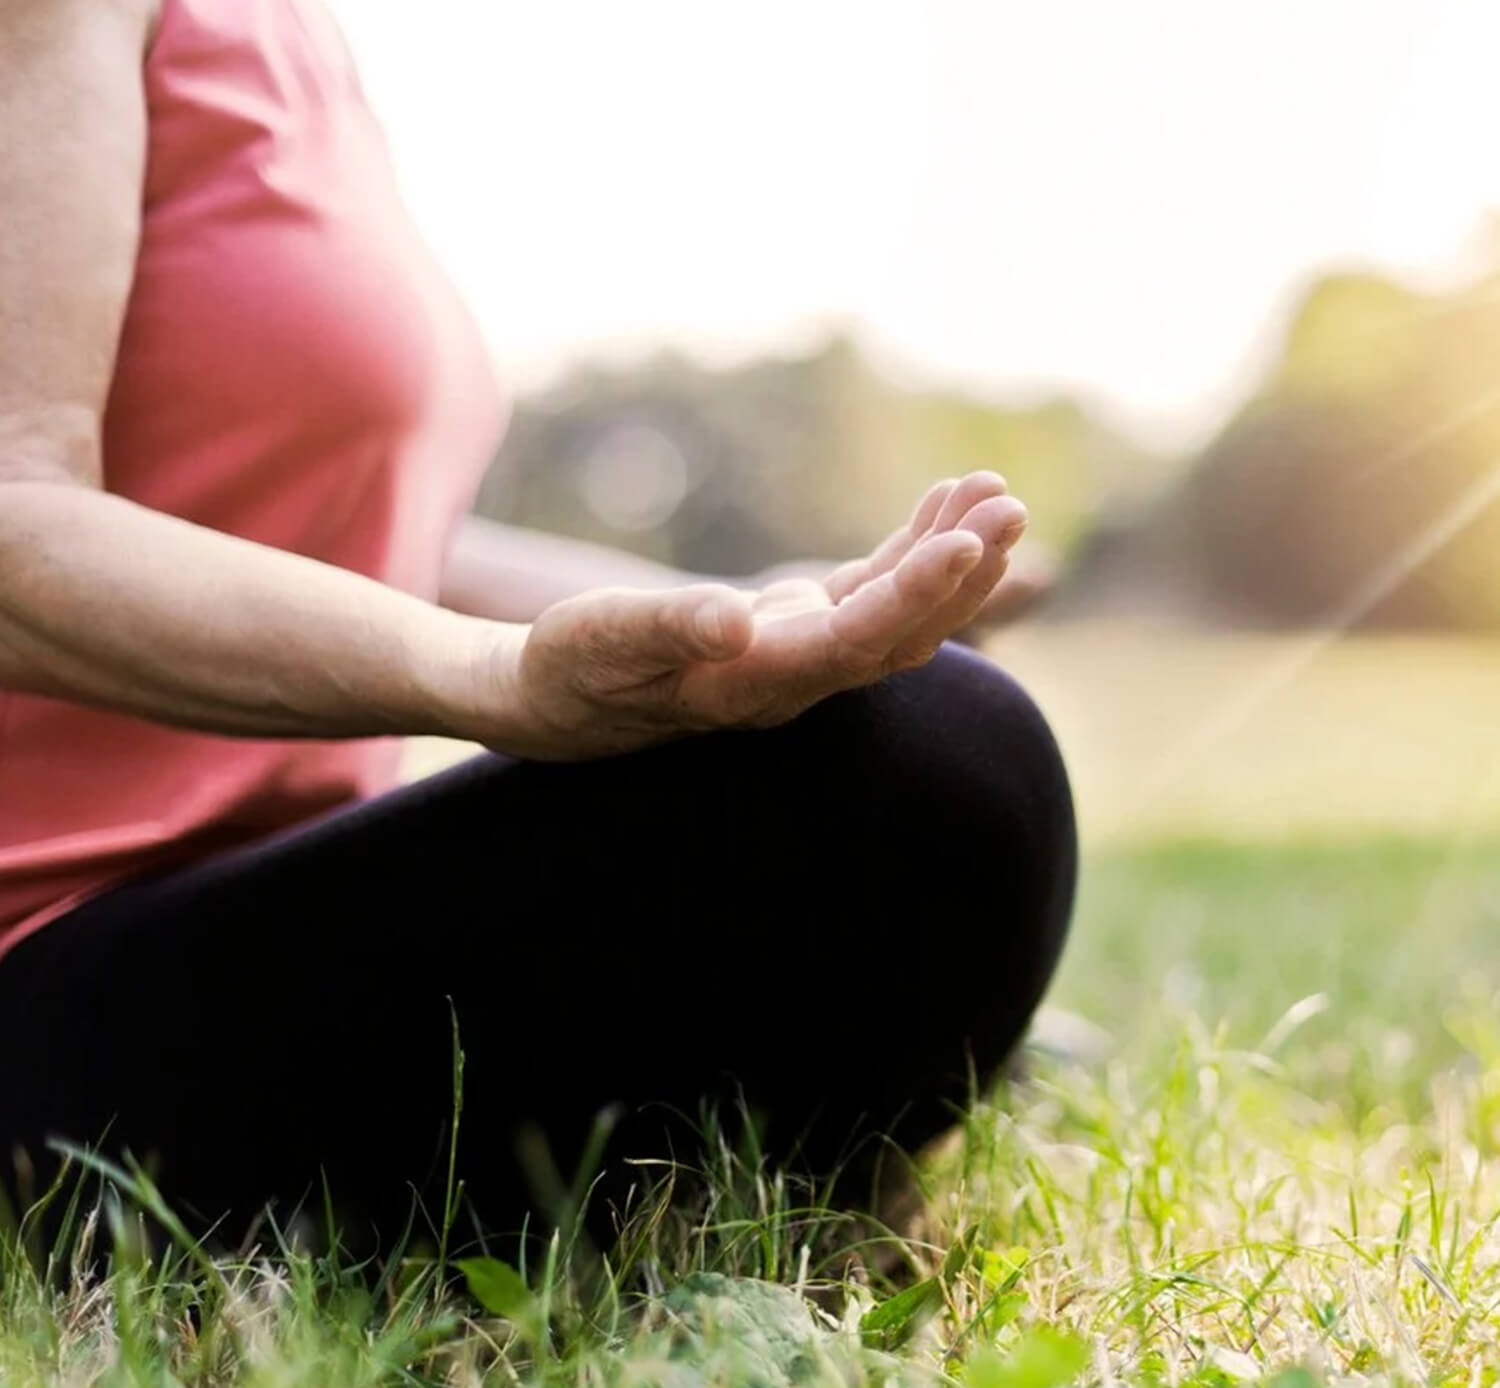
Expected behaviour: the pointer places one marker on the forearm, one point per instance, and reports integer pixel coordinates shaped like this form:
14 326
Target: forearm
510 574
109 603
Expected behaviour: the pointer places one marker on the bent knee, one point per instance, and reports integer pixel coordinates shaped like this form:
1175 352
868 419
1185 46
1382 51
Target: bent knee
969 732
957 760
965 815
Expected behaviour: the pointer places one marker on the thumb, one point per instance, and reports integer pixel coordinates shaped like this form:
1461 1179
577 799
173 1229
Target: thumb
659 631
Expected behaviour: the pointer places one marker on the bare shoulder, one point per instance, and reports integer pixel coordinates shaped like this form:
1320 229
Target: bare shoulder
32 27
72 157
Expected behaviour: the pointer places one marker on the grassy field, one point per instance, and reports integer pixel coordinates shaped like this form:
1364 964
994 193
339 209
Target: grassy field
1269 737
1273 1155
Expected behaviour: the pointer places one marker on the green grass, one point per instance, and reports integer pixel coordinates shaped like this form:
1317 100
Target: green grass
1285 1167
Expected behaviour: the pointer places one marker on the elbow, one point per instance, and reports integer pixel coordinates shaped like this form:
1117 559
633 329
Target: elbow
54 443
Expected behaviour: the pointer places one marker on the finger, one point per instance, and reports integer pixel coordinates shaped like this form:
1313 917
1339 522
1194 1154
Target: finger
968 493
999 522
931 503
890 551
641 634
847 577
869 625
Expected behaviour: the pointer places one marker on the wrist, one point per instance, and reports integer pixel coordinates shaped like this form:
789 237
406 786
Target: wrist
472 686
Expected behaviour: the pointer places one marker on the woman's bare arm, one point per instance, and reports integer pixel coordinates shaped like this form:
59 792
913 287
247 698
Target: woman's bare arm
510 573
106 602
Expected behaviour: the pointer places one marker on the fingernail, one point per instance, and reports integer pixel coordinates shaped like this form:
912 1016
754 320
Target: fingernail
708 622
1013 530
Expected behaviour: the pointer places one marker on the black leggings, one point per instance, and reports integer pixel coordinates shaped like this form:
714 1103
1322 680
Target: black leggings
841 922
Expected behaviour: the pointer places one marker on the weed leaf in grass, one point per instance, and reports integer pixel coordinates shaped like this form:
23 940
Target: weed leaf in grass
497 1286
1001 1269
896 1319
746 1332
1044 1358
1292 1378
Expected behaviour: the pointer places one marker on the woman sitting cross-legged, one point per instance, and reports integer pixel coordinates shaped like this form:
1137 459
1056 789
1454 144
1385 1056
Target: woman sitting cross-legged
722 834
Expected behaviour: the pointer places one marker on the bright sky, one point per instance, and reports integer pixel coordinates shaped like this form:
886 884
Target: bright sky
1117 196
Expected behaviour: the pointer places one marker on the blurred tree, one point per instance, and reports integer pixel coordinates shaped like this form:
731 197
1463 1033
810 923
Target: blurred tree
1379 422
729 471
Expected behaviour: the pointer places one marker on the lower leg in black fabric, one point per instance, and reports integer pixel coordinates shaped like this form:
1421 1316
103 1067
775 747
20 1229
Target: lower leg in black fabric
844 917
946 873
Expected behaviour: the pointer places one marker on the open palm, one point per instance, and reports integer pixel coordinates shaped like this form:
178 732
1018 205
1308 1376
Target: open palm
614 669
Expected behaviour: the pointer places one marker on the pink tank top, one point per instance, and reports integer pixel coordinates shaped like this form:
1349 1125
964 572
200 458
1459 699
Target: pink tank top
293 369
